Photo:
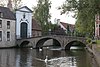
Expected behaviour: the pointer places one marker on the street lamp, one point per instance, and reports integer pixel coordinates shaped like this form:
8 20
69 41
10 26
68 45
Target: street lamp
49 27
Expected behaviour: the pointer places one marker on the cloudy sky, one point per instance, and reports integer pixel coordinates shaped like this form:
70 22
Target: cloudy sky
54 12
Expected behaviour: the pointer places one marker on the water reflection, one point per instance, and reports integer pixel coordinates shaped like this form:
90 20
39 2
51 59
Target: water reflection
7 58
35 58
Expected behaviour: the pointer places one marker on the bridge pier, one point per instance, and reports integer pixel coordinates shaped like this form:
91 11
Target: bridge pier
63 48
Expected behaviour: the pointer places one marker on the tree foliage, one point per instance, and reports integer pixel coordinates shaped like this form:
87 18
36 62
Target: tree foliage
85 11
15 3
41 13
3 2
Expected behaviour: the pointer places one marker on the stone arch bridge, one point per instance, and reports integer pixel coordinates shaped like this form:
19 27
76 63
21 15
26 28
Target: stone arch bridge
63 41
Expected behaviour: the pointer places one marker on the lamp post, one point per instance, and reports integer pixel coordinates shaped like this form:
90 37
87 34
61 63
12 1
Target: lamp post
49 26
49 31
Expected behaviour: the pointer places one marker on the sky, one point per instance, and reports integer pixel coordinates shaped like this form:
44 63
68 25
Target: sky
53 11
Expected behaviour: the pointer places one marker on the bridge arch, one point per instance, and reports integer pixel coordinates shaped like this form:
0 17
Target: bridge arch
25 43
74 43
41 42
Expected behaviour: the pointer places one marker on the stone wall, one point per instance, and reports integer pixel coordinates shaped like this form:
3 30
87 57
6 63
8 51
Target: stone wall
4 42
96 54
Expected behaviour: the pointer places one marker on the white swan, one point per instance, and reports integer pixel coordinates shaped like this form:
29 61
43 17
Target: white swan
31 48
47 47
40 49
46 59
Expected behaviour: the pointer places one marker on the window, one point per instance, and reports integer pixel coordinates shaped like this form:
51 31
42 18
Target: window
24 15
1 14
0 35
8 36
8 24
96 25
98 16
0 23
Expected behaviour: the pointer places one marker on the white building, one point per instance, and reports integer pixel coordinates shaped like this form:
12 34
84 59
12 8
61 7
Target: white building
23 22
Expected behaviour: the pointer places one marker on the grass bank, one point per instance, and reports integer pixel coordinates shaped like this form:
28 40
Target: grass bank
98 45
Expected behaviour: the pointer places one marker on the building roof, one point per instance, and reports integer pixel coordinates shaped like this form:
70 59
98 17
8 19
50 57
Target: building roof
36 25
66 24
7 13
29 10
58 31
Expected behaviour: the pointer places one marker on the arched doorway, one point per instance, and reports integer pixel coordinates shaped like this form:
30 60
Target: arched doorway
23 31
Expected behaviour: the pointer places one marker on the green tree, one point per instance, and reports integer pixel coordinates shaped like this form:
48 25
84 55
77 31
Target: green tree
85 11
41 13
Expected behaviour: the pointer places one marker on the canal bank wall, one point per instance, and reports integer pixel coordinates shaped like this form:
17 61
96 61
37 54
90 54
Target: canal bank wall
95 53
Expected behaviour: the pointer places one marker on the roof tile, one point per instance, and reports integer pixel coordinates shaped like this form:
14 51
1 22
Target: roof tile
7 14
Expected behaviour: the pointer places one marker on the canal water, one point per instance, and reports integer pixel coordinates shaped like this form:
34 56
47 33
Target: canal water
27 57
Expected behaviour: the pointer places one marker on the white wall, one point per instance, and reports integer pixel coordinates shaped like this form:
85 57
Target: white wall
28 17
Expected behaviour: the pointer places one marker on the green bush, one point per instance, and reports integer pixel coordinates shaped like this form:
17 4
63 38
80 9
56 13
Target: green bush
98 41
88 40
